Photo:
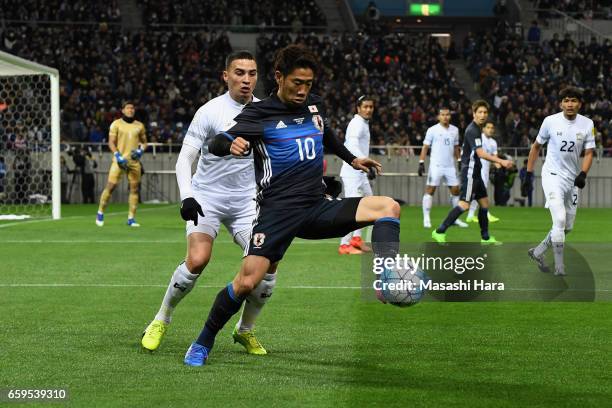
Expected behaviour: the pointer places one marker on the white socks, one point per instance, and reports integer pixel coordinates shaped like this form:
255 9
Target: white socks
181 283
255 302
427 202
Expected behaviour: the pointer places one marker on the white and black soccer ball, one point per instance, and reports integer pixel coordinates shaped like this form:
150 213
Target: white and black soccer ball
403 286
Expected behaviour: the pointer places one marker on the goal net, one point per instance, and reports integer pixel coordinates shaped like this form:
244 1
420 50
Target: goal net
30 179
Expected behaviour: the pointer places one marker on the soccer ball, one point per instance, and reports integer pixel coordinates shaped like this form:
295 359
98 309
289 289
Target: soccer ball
403 286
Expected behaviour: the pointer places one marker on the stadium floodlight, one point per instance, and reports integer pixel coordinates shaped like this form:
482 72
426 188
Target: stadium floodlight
425 9
30 173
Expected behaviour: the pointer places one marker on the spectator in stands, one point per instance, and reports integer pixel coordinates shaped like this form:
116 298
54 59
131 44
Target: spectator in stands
534 33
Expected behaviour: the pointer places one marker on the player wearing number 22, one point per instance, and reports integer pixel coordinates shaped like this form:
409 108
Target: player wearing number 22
287 133
567 134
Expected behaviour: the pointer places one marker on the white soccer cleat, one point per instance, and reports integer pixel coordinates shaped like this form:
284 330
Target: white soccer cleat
560 270
460 223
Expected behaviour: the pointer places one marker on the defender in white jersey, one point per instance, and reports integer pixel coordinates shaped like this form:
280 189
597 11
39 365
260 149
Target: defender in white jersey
489 145
222 191
445 152
355 182
568 134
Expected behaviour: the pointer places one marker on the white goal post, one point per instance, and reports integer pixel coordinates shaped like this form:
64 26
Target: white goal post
30 135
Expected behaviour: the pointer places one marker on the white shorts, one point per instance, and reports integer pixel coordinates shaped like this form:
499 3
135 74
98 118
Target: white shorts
556 187
356 186
435 174
236 212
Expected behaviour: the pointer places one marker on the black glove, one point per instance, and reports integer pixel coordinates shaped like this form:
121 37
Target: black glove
190 209
580 181
421 169
371 173
333 187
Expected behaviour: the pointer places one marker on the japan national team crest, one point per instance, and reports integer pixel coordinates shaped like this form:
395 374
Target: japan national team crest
317 121
258 239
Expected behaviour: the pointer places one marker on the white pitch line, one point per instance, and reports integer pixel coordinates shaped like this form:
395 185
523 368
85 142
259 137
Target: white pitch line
128 285
74 217
139 285
116 241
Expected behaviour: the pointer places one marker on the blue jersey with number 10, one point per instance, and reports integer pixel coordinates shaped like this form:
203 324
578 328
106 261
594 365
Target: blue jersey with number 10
288 149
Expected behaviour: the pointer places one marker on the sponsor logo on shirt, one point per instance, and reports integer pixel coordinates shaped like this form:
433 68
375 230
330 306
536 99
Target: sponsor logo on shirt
281 125
299 121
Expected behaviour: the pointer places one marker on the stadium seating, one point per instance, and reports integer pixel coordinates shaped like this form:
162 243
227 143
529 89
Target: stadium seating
102 66
521 79
408 75
60 10
242 12
576 9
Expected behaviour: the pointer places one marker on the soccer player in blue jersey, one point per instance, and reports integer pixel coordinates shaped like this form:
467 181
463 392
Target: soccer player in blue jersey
287 133
472 183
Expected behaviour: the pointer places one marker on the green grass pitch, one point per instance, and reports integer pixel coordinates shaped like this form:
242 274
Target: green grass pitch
74 299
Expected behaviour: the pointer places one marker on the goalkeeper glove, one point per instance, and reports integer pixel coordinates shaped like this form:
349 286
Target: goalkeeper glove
121 161
190 209
136 154
580 181
421 168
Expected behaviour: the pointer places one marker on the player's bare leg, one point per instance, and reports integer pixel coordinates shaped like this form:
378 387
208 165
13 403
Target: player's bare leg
427 203
104 199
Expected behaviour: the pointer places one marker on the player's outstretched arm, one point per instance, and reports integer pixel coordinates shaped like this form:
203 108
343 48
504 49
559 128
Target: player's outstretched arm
493 159
223 144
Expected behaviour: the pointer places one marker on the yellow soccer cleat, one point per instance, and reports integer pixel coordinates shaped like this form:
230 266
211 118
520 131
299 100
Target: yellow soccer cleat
492 218
439 238
471 219
153 334
249 342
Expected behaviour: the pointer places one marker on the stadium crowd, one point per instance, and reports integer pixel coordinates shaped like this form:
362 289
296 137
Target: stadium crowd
582 9
60 10
409 77
521 79
103 66
265 13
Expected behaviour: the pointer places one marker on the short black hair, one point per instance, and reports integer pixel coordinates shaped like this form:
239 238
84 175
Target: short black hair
236 55
491 121
127 102
570 92
295 56
362 99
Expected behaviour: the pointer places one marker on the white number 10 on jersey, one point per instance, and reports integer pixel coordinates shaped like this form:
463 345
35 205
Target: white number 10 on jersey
309 148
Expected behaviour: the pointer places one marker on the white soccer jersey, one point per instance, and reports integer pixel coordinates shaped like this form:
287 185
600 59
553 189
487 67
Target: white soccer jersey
442 142
219 175
357 141
489 145
566 139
